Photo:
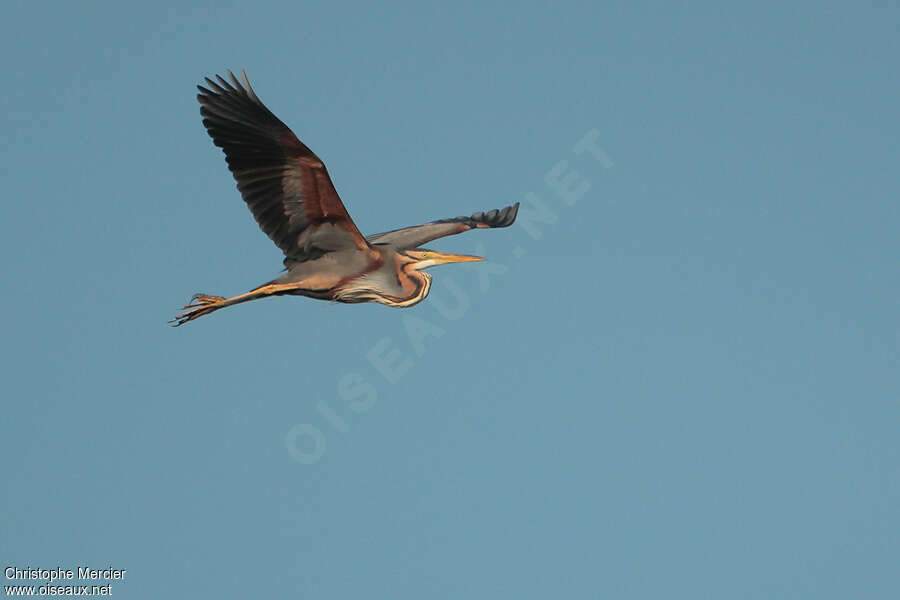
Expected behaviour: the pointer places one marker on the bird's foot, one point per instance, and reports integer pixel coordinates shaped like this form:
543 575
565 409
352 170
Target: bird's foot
204 300
200 304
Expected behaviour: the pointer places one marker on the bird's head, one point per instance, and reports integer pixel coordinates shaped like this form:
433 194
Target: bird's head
423 259
416 261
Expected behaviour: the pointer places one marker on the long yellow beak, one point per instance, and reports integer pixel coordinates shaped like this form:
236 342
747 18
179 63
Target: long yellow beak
429 258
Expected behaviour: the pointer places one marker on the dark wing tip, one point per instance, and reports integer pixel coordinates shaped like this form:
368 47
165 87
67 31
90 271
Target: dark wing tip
498 217
223 87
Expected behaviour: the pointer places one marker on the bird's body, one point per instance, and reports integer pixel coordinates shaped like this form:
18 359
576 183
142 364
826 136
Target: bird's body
289 192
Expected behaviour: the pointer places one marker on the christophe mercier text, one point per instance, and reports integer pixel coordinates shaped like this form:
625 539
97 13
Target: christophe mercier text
58 573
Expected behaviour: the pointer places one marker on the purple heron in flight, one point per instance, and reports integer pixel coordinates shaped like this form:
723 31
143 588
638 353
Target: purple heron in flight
289 192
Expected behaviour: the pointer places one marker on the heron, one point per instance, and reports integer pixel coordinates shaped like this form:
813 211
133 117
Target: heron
288 190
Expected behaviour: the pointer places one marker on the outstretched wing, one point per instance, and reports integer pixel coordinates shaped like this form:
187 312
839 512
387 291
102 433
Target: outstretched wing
283 182
413 237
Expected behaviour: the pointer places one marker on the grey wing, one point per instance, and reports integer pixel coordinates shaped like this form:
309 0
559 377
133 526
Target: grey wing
413 237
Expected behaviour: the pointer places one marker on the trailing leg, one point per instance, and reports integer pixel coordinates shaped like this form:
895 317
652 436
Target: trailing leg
203 304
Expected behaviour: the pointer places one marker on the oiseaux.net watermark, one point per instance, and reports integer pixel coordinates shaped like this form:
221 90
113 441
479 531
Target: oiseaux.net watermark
307 442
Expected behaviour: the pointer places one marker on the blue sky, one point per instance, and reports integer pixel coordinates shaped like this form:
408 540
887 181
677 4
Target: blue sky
681 382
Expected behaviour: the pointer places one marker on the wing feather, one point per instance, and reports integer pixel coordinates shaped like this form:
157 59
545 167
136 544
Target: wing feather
413 237
285 185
